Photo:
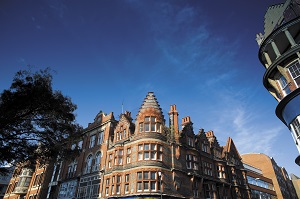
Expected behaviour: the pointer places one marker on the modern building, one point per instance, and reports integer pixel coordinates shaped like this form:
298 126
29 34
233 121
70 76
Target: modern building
261 186
279 53
270 170
296 182
142 158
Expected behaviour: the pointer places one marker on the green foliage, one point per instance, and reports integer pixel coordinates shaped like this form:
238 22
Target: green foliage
36 123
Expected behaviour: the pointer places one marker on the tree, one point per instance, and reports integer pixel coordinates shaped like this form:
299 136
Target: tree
36 123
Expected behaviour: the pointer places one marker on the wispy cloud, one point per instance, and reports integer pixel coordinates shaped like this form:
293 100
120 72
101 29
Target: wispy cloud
244 124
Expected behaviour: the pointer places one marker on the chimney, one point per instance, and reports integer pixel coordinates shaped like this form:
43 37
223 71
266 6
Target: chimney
186 120
173 121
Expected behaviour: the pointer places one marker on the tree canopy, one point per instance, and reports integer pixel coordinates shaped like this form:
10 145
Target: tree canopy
37 123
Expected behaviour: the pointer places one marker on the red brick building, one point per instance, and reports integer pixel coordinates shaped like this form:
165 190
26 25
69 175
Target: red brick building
145 158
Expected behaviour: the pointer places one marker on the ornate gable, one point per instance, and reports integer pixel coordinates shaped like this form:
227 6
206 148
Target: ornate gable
231 153
124 128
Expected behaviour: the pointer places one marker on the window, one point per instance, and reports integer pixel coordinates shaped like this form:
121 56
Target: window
149 152
125 133
284 85
92 141
205 147
206 191
149 125
97 162
147 181
88 164
119 136
191 162
100 137
207 168
190 141
294 69
188 161
109 160
296 127
116 185
221 171
127 179
67 189
107 184
119 157
196 189
128 157
72 169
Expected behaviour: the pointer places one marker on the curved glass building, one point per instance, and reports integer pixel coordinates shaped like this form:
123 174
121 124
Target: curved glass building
279 53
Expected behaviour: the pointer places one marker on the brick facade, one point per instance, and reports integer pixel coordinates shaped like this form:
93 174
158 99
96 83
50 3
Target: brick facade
145 158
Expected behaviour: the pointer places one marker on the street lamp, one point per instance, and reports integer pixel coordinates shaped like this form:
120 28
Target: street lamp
159 176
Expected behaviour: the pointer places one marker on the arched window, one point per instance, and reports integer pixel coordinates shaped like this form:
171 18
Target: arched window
88 164
97 162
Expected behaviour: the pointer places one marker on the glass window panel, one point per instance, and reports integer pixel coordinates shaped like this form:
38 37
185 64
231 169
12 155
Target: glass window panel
139 174
141 127
152 127
147 119
158 127
153 155
147 128
140 156
139 186
153 185
153 146
140 147
146 185
146 147
159 148
153 175
146 155
146 175
127 178
153 119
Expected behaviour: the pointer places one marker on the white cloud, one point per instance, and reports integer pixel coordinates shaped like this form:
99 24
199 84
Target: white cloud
249 129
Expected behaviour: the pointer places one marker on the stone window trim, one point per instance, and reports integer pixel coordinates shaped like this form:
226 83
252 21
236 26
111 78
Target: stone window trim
150 151
126 183
116 184
148 181
150 124
128 155
118 157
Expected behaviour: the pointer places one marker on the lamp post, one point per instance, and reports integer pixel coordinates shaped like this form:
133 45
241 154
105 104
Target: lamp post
159 176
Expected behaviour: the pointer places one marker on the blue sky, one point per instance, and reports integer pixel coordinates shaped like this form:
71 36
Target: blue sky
200 55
